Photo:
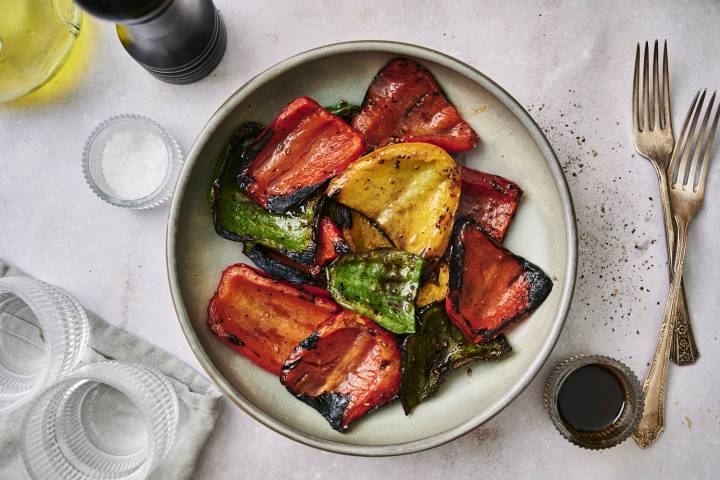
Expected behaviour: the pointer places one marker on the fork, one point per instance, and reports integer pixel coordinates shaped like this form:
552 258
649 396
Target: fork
688 172
654 141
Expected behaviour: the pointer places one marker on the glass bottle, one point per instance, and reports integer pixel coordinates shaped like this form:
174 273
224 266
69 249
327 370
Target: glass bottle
36 37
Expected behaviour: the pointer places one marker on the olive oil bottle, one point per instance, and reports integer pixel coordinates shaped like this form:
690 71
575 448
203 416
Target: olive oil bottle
36 37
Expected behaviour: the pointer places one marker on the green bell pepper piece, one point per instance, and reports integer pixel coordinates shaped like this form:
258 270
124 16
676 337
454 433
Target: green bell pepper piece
434 351
238 218
380 284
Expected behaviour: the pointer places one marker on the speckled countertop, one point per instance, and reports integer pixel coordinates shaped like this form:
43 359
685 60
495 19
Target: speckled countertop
569 63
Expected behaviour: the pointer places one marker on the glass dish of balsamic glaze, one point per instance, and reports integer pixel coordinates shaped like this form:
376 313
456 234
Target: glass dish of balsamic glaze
594 401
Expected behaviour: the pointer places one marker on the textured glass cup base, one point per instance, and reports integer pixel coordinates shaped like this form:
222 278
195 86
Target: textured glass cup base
43 335
623 426
92 161
112 420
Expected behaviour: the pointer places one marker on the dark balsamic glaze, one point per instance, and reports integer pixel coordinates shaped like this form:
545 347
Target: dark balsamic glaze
591 398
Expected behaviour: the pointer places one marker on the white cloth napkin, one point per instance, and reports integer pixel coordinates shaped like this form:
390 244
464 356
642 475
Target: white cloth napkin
199 400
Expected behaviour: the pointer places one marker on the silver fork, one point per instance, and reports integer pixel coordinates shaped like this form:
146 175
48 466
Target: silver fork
688 172
654 141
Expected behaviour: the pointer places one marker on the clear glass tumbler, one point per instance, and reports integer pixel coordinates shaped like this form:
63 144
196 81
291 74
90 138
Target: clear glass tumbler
43 335
112 419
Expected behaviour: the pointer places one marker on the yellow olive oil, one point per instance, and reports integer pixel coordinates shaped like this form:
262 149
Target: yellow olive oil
36 37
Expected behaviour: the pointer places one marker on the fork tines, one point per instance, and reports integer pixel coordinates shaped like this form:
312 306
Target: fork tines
641 107
695 147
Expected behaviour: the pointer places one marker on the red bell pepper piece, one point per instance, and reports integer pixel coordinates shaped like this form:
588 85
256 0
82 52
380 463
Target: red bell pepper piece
404 103
331 243
305 145
490 288
262 318
348 367
315 290
490 200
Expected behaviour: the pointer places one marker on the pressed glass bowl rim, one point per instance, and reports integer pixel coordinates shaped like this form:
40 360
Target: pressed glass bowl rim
175 160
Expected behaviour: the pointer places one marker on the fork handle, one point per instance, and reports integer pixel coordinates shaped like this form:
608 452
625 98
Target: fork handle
652 422
684 350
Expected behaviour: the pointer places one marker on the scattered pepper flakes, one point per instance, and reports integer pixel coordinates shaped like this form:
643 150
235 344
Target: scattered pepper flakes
618 224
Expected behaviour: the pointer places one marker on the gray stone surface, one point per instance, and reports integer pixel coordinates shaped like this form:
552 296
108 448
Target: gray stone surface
569 63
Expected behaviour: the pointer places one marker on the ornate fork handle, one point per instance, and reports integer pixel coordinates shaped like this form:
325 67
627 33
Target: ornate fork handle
652 422
683 351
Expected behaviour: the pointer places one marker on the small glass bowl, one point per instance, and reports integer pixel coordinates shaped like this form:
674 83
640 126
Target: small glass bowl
93 157
43 335
111 419
625 424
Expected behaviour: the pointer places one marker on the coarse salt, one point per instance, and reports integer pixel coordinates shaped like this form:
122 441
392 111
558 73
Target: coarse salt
135 163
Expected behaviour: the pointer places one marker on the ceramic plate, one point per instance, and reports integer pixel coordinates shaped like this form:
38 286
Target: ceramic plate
543 232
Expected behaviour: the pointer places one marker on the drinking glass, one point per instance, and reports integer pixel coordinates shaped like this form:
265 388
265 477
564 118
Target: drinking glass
110 419
43 335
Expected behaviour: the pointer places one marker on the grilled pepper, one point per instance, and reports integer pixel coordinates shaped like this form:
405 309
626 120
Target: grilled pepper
304 146
330 242
346 368
262 318
429 355
362 235
279 266
404 103
490 288
359 232
435 287
235 155
238 218
380 284
410 190
490 200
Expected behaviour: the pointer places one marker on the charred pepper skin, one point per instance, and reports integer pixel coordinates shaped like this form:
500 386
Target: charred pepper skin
404 103
347 368
490 287
331 245
278 266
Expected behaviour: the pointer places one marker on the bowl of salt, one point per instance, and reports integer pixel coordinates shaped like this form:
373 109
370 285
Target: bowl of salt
130 161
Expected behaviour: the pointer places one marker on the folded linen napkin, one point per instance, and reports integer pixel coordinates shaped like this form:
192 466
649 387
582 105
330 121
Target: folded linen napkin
198 399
